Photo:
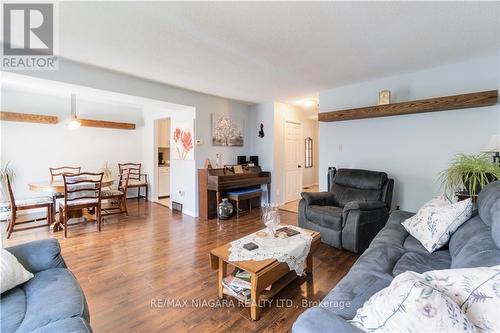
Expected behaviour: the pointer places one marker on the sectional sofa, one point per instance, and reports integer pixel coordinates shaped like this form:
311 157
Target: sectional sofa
393 251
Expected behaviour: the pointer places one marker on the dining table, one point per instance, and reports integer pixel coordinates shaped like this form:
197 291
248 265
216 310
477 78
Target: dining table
55 187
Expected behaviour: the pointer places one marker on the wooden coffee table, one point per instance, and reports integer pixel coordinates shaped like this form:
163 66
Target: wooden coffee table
263 273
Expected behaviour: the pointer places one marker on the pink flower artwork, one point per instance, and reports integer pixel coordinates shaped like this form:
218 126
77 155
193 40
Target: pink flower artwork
183 141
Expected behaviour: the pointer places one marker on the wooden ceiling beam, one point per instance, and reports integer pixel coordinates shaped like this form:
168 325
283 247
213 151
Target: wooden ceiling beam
464 101
28 117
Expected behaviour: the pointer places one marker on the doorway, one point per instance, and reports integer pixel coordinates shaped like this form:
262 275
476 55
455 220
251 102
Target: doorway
162 147
293 160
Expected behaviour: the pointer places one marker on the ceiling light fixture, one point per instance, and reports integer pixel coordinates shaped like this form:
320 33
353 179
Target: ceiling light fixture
309 103
74 122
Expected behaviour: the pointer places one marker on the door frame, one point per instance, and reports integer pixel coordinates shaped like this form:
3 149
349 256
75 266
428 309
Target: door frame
301 153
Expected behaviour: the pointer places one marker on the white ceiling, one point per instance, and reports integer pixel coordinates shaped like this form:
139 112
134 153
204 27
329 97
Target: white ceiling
274 51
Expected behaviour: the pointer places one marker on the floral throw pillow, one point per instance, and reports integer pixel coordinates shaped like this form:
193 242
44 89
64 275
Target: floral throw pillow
475 290
429 302
411 305
437 220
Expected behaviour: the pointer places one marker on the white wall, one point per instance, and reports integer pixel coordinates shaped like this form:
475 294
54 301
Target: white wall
33 148
205 105
263 113
183 186
270 148
412 149
90 76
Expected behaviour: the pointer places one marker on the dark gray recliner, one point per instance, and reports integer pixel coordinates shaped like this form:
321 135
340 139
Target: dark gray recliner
352 212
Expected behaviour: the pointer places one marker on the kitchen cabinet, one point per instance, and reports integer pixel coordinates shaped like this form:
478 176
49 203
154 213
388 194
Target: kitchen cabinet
164 133
163 181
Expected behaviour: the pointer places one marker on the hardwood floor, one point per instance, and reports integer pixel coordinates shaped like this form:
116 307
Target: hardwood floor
154 256
293 206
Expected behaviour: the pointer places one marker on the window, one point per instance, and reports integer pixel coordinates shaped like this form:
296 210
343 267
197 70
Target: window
309 152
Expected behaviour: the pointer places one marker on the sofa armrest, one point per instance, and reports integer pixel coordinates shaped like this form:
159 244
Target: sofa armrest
318 319
361 226
364 205
318 198
399 216
39 255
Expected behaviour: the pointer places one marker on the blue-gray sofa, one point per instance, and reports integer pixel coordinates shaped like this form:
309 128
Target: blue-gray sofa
393 251
52 301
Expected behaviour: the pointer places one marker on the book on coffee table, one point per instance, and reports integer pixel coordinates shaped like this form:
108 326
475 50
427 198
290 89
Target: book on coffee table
288 231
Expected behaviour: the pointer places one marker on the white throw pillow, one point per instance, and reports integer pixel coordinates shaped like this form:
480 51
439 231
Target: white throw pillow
409 305
437 220
12 273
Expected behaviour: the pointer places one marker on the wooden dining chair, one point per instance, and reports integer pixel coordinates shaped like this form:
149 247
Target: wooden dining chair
57 173
81 190
136 178
120 194
25 204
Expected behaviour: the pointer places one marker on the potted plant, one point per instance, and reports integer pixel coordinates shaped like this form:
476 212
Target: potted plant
108 173
470 171
5 171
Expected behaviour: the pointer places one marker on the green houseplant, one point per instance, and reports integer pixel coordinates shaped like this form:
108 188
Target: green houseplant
470 171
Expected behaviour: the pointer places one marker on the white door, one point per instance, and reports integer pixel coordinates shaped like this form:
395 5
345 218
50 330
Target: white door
293 161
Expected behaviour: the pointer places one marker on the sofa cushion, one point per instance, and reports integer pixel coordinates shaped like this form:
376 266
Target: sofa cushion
472 246
318 319
325 216
12 308
52 295
73 325
488 203
422 262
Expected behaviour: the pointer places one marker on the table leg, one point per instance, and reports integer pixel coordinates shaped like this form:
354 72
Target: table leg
222 275
268 193
309 264
254 298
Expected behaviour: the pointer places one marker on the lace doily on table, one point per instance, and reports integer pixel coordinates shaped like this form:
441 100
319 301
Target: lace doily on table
294 252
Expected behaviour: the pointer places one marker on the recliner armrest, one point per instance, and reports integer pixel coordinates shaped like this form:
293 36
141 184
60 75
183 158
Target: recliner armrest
318 198
39 255
364 205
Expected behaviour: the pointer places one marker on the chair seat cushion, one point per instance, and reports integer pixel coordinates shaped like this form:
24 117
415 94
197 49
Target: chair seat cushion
111 193
12 309
79 202
52 295
43 200
325 216
133 182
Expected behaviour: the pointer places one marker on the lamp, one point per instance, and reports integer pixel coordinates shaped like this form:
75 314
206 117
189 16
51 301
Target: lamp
74 123
494 147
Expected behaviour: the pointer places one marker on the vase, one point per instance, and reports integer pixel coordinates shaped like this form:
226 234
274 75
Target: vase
225 209
271 218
